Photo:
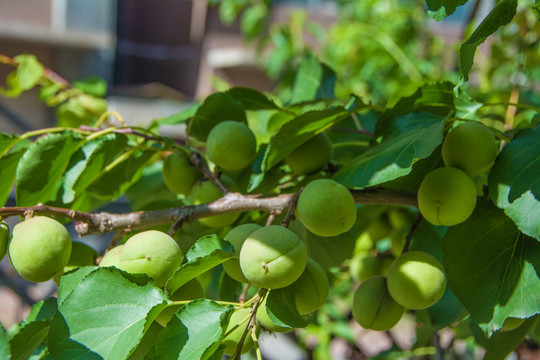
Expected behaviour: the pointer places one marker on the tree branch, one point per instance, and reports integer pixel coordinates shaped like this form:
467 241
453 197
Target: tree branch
103 222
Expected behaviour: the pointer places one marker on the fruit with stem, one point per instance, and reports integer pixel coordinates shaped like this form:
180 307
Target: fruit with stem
179 174
311 156
231 145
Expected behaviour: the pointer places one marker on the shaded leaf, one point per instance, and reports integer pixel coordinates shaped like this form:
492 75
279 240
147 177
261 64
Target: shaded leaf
439 9
208 252
392 158
492 267
12 149
513 181
500 15
252 99
216 108
194 332
299 130
180 117
23 344
80 110
4 346
313 80
281 308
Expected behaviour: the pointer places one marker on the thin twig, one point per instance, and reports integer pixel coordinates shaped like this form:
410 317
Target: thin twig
270 219
411 233
127 131
195 158
292 207
243 296
251 322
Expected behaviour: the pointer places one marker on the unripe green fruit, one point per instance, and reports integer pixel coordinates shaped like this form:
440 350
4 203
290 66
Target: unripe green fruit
379 228
153 253
364 243
447 196
399 218
273 257
511 323
373 307
39 248
363 266
81 255
311 156
205 192
4 239
416 280
311 288
236 237
179 173
112 257
470 147
189 291
231 341
231 145
264 319
326 208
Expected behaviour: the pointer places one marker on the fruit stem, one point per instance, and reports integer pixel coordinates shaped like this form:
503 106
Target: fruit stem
243 295
258 302
195 158
410 234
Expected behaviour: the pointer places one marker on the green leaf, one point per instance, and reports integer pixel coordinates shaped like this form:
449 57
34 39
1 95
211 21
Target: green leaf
29 71
299 130
12 149
252 99
216 108
13 88
313 81
536 9
392 158
41 167
492 267
42 310
208 252
92 85
118 176
89 162
435 98
28 339
180 117
500 15
513 181
105 315
254 20
281 308
4 346
502 343
439 9
195 332
80 110
147 342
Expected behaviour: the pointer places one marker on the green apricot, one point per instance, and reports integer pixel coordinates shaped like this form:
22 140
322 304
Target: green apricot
373 307
266 322
204 192
153 253
470 147
447 196
179 174
311 156
39 248
400 218
4 238
363 243
511 323
379 228
236 237
81 255
311 288
363 266
231 340
416 280
273 257
112 257
189 291
231 145
326 208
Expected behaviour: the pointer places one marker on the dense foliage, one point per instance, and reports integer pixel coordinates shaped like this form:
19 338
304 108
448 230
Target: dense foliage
279 205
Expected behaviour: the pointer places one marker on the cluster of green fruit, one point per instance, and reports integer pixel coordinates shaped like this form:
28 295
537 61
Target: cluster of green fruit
447 196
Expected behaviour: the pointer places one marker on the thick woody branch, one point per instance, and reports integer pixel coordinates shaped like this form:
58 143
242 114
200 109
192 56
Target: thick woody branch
103 222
